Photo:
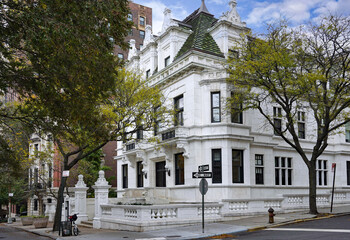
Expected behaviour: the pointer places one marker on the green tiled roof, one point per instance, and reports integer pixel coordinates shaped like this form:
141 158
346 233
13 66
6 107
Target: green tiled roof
200 39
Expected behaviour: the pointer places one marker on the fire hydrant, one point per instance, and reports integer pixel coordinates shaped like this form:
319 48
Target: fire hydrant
271 215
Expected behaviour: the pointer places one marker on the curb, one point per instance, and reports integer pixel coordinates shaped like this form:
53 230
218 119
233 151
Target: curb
297 221
36 233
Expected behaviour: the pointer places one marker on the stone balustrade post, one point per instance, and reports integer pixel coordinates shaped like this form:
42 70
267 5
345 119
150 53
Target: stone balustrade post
80 199
101 197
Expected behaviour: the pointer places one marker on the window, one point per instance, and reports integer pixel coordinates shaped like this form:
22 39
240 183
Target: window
129 17
259 169
347 132
35 204
166 61
139 174
49 182
322 172
348 172
179 109
139 133
125 175
236 113
148 73
36 176
179 169
142 21
30 178
156 122
142 34
237 166
131 33
215 107
216 165
277 120
160 174
141 45
283 171
301 125
120 56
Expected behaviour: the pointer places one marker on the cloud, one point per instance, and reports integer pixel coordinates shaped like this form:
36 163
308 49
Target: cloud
296 11
218 2
178 12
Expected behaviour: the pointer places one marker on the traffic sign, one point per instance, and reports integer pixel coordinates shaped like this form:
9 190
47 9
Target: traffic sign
203 168
203 186
202 174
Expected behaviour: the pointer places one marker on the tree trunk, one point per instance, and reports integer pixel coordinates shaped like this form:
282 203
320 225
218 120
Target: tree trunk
60 201
312 188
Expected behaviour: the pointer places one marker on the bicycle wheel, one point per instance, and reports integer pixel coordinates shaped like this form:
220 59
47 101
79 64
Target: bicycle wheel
75 230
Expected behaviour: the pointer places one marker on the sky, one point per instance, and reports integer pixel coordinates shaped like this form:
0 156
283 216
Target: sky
256 13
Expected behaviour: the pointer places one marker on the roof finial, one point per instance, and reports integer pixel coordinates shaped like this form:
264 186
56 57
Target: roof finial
203 8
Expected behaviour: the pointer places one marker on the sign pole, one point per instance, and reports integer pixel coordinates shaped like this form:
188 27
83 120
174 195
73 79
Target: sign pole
334 166
202 213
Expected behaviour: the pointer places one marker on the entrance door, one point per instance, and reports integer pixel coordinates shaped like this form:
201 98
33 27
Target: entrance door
160 174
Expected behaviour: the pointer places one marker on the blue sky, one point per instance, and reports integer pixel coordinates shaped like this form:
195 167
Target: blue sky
256 13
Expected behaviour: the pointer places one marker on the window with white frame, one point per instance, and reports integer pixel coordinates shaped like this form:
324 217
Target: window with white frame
322 172
166 61
301 125
259 169
277 120
347 132
179 110
215 107
283 171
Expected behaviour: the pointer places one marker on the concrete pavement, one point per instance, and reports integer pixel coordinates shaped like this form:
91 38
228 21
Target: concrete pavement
236 224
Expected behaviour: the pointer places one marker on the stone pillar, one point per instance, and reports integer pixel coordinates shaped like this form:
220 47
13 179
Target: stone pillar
80 200
101 197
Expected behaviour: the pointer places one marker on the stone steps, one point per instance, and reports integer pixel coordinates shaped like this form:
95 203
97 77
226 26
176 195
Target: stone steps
87 224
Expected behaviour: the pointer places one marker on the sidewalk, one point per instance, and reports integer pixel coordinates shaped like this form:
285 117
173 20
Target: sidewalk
238 224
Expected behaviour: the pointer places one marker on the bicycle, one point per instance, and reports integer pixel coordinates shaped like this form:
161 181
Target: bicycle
75 228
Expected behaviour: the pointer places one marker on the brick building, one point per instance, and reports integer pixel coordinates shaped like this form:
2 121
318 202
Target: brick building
141 16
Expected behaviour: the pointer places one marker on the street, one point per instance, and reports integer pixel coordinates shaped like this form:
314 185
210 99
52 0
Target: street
7 232
336 228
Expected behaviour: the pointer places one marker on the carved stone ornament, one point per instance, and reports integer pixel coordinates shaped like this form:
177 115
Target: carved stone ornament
168 21
101 181
148 36
133 50
184 147
80 182
231 15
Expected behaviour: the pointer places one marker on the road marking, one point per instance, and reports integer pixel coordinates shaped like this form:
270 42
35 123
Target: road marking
161 238
309 230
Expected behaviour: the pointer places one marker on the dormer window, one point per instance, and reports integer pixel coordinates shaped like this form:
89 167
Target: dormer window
166 61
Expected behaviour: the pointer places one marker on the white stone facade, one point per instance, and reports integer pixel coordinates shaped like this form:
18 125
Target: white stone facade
196 76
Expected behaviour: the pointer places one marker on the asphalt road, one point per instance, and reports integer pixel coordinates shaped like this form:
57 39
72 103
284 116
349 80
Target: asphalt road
336 228
7 233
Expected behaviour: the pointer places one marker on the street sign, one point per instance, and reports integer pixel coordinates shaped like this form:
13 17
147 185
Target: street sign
65 173
202 174
203 186
203 168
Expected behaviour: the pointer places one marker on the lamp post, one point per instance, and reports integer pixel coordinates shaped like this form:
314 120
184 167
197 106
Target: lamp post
9 219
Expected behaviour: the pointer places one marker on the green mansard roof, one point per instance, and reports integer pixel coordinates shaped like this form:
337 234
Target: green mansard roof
200 39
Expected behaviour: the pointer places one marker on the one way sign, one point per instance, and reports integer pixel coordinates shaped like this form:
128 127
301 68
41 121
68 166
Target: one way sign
202 174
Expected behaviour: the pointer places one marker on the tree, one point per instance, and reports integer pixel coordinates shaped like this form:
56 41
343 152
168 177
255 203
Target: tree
299 70
57 56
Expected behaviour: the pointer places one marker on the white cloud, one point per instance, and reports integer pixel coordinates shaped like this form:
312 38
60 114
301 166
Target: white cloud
178 12
218 2
296 11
